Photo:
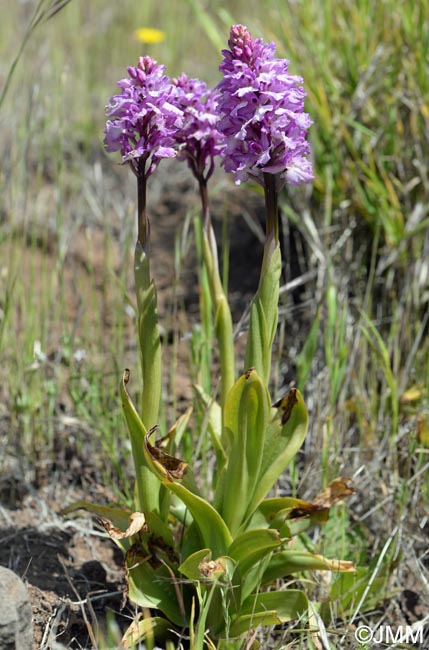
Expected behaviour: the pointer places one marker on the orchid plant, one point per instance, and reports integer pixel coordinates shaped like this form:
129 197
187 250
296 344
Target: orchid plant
206 568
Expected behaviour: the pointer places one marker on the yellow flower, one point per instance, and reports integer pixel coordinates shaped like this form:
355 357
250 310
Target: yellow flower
149 35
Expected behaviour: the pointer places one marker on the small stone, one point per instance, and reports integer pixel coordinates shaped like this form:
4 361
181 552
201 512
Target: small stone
16 627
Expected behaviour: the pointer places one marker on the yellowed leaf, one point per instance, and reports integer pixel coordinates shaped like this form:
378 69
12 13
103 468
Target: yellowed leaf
342 566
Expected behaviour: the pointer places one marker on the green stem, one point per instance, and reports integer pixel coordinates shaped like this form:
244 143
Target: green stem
149 341
264 309
223 319
147 314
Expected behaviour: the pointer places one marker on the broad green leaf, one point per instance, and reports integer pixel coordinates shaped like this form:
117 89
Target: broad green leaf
160 528
118 516
152 588
264 312
214 531
270 608
152 628
271 507
247 622
192 540
245 420
250 547
291 516
189 567
253 578
297 526
150 343
287 562
148 485
283 440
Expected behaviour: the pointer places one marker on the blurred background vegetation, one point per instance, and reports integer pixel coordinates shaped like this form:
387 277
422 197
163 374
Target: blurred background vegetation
354 332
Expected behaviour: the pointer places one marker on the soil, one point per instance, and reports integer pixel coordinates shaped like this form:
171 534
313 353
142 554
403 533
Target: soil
73 572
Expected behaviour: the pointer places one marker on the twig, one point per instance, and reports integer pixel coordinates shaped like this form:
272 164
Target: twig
91 634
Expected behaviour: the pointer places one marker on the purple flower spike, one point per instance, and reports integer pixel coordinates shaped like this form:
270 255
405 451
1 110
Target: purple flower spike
262 113
199 140
144 118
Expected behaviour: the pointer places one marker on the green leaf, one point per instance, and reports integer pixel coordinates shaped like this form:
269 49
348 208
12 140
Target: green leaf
189 567
118 516
264 312
291 516
153 628
271 608
150 342
159 528
287 562
250 547
152 588
284 438
148 485
214 531
271 507
245 421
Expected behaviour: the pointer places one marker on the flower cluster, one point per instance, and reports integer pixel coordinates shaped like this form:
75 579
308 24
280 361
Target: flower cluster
144 118
262 113
254 119
198 139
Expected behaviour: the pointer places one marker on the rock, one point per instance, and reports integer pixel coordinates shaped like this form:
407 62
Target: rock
16 627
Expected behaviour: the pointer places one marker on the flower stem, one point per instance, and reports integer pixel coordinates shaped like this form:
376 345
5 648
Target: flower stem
142 224
222 313
205 203
271 206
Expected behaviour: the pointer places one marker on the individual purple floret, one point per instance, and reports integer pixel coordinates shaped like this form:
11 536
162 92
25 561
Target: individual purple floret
262 113
199 140
144 118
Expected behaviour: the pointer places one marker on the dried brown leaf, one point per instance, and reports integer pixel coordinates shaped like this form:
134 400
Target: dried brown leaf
336 491
137 525
170 466
286 404
212 569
